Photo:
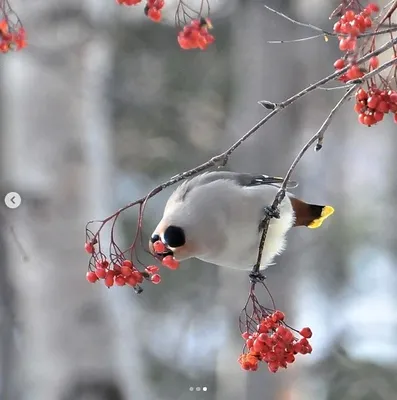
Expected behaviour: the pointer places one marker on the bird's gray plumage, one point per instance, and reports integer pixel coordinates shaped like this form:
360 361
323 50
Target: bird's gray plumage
241 179
220 213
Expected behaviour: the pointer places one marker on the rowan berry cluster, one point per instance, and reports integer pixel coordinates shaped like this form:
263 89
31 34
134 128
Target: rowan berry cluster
193 36
373 104
123 271
124 274
349 27
273 343
152 8
196 35
12 36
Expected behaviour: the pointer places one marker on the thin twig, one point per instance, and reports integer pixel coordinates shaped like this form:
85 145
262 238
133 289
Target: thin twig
335 87
294 40
294 21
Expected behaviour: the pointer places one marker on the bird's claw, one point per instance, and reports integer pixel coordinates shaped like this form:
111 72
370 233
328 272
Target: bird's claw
271 212
256 277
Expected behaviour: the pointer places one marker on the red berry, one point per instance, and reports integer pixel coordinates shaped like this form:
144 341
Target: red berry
91 277
263 337
289 358
367 22
337 27
349 15
152 269
339 64
101 273
373 101
361 95
382 107
245 335
131 280
89 248
109 280
278 316
373 7
156 279
369 120
273 367
344 44
393 97
154 14
306 332
374 62
170 262
117 269
249 343
125 270
127 263
361 118
378 116
359 108
258 346
159 247
354 72
138 276
119 280
395 118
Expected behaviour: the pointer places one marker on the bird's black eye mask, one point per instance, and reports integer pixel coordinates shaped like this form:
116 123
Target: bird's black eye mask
174 236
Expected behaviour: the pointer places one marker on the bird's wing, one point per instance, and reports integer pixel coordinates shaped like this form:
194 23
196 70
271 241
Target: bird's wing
241 179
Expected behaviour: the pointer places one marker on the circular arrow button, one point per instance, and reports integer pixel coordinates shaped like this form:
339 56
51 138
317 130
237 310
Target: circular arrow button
12 200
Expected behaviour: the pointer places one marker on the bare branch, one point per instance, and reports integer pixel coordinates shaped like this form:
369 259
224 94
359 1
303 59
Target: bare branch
294 21
295 40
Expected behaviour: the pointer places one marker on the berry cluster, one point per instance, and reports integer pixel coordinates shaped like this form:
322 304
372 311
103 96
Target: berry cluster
273 343
120 275
196 35
349 27
12 37
193 36
373 104
124 271
153 9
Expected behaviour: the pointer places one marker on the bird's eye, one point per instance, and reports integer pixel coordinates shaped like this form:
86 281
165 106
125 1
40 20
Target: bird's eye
174 236
155 238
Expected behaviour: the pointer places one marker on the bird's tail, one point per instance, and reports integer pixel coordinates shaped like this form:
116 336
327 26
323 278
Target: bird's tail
310 215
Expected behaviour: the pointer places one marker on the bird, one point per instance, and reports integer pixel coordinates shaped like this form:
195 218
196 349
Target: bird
217 217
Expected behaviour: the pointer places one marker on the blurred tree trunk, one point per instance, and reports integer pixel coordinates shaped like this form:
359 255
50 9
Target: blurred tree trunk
99 148
7 315
67 343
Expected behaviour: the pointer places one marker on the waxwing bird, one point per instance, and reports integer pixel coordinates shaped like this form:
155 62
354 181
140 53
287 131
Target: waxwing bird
217 218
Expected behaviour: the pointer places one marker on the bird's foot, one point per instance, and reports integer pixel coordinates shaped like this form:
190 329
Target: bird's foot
271 212
256 277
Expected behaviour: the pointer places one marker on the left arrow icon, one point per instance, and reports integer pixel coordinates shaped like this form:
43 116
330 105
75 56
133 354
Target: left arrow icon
12 200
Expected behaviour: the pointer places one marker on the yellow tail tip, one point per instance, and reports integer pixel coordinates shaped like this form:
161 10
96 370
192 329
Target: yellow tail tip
325 213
